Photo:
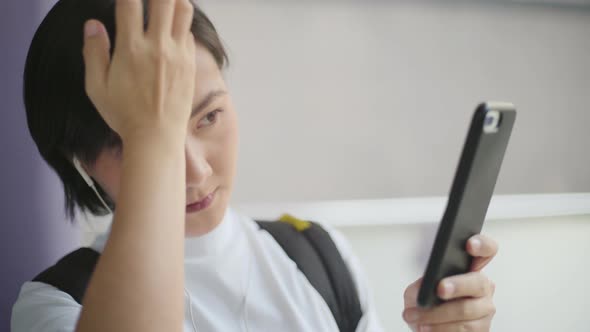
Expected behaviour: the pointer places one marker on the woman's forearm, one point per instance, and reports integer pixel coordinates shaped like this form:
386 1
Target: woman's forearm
138 282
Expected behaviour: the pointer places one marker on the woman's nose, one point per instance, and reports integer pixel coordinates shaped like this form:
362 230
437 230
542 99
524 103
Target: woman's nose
198 169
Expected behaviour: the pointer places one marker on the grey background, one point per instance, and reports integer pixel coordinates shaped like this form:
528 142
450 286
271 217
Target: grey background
354 100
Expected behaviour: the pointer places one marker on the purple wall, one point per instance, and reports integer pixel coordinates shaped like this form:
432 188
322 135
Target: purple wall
34 230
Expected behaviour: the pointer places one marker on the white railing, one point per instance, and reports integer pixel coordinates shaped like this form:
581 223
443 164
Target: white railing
399 211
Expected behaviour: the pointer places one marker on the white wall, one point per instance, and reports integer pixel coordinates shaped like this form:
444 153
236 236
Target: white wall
372 99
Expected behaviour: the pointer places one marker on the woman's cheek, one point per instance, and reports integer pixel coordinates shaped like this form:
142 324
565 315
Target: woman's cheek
107 171
228 144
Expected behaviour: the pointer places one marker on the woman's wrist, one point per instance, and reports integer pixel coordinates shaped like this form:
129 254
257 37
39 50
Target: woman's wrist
154 139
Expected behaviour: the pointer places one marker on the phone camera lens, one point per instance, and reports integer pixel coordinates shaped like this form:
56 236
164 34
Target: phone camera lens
489 120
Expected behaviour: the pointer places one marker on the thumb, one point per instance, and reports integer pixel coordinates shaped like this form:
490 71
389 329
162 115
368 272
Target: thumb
96 56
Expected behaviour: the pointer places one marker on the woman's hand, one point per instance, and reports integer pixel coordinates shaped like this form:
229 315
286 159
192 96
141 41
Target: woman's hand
469 297
148 84
145 94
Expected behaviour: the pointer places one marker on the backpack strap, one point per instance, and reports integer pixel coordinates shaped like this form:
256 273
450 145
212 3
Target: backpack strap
71 274
310 246
306 243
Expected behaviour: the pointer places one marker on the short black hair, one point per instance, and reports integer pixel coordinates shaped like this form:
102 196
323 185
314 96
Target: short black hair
61 118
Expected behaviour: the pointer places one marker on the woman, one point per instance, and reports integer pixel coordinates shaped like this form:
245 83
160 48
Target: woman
148 117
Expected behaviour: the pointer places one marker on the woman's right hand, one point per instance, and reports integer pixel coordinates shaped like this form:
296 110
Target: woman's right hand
147 87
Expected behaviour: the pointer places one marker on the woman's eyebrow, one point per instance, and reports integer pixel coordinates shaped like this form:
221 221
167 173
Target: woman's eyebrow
206 101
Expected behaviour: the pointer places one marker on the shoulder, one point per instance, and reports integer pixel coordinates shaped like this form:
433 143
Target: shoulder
41 307
51 300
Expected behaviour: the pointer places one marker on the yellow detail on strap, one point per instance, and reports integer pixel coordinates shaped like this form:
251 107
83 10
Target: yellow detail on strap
300 225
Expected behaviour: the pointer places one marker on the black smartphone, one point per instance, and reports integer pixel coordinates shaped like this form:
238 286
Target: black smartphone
470 195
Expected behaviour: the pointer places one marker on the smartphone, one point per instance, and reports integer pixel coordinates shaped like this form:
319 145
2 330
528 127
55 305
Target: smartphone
470 195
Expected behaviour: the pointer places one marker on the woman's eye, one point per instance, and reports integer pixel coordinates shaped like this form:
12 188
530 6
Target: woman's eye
209 119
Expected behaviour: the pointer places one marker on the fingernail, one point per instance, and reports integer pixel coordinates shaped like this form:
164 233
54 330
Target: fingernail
90 29
425 328
475 244
448 288
412 316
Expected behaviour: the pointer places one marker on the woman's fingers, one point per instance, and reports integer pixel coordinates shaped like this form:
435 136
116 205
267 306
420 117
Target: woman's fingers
167 18
482 324
96 57
479 263
183 17
129 21
462 310
472 284
483 249
411 293
482 246
161 15
410 299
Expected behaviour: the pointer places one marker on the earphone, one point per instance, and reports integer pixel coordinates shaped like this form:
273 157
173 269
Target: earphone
89 181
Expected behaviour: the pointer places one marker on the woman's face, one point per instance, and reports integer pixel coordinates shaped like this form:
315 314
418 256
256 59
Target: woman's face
211 149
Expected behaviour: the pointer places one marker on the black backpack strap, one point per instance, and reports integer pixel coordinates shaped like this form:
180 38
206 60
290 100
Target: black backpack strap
71 274
310 246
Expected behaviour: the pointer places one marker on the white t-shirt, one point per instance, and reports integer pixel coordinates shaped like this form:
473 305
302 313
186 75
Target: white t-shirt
237 277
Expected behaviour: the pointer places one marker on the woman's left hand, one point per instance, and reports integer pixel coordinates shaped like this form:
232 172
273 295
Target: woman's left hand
469 297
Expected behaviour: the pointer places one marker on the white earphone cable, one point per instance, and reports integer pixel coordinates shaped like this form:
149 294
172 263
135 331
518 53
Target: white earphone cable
100 198
190 309
244 301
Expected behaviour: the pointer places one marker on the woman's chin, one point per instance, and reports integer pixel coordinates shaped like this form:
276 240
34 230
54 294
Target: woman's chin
198 229
202 222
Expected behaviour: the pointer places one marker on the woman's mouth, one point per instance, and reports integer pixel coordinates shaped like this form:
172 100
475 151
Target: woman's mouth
202 204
